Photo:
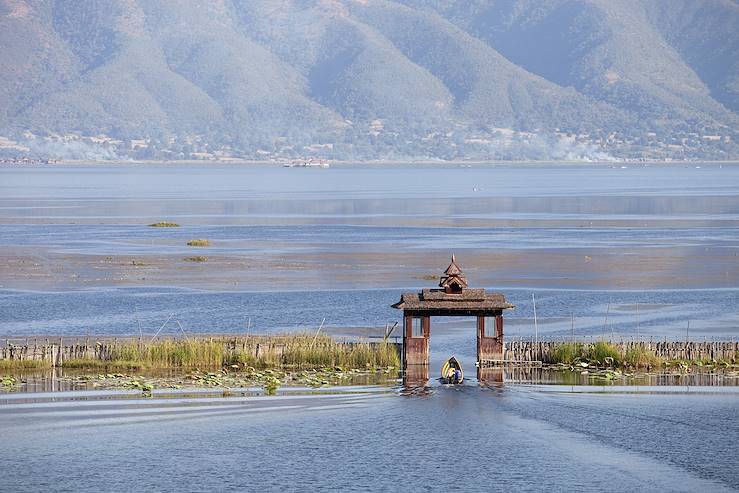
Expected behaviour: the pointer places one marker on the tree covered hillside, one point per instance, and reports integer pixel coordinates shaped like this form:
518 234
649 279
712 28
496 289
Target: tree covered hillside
369 79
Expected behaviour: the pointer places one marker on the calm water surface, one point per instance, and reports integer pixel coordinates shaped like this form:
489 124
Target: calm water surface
121 311
627 251
469 438
633 252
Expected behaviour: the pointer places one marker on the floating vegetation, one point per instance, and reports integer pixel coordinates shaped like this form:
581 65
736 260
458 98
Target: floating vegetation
209 379
198 243
8 382
138 384
197 258
271 384
236 378
607 374
428 277
164 224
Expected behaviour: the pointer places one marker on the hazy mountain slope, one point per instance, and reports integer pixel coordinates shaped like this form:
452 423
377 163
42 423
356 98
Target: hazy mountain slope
255 91
34 60
704 32
117 81
486 87
348 66
608 50
358 79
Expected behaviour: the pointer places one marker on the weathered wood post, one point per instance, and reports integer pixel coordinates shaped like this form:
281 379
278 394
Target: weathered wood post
416 333
489 341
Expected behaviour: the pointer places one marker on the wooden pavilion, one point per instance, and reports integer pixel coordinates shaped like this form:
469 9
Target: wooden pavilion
453 298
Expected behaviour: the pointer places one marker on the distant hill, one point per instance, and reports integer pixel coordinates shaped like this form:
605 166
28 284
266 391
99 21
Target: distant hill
370 79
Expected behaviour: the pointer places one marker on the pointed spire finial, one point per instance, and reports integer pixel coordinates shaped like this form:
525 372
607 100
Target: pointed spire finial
454 280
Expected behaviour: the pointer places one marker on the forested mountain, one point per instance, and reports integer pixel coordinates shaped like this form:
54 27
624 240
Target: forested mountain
370 79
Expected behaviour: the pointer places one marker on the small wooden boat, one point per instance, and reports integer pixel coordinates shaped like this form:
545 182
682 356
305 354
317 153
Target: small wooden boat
446 369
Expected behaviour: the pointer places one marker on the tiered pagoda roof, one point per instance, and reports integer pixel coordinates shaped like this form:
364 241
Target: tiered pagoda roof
454 281
453 295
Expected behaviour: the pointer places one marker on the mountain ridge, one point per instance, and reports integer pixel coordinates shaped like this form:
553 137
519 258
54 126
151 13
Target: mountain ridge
370 79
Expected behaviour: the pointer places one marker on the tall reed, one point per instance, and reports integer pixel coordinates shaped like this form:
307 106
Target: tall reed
567 353
639 357
293 351
23 364
601 353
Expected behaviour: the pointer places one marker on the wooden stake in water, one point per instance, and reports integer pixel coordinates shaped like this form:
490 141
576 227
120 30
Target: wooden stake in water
160 328
536 325
138 322
389 330
182 330
319 330
572 316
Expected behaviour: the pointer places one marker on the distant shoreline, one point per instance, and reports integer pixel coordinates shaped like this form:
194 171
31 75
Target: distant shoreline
247 162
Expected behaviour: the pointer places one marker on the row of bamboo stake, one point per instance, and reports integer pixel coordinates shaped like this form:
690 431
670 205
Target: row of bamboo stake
57 350
543 351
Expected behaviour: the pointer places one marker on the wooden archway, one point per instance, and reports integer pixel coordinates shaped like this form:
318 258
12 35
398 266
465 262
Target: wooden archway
453 298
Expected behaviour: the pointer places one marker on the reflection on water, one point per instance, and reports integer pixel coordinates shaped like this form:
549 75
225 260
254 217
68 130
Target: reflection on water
417 377
91 382
491 376
662 378
374 441
414 380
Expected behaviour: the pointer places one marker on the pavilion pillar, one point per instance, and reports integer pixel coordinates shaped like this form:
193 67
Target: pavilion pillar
416 333
489 342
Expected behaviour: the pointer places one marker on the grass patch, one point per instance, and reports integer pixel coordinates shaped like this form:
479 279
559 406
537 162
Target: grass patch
603 353
289 351
164 224
428 277
639 357
16 364
567 353
98 364
198 243
599 354
197 258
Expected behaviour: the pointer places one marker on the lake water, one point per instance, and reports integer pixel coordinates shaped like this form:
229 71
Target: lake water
517 437
640 251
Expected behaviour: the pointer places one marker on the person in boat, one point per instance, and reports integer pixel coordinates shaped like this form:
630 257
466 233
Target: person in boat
457 375
450 374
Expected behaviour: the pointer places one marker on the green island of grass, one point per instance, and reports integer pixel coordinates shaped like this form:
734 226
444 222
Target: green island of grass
164 224
198 243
